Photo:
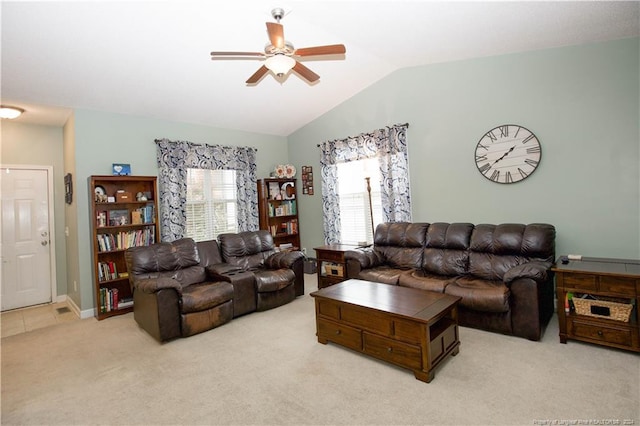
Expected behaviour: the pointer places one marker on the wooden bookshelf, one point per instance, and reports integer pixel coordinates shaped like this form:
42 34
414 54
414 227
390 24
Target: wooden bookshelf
119 220
278 210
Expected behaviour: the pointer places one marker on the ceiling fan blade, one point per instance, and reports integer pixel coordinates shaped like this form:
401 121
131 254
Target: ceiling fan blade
305 72
276 34
258 75
332 49
214 54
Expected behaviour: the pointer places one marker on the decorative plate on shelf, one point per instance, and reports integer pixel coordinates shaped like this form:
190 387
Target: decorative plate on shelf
279 171
289 171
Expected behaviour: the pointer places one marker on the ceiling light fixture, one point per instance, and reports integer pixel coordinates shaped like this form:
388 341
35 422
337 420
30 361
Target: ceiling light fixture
280 64
10 112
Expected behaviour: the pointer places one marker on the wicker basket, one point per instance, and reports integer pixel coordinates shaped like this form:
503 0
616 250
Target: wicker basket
617 311
334 270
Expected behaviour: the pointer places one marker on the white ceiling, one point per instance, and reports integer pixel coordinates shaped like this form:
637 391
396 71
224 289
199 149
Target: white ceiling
151 59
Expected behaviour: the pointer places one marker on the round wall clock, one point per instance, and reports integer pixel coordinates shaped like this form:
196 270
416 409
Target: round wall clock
508 154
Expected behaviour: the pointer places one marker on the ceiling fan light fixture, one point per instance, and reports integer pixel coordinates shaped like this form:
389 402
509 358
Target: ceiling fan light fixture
10 112
280 64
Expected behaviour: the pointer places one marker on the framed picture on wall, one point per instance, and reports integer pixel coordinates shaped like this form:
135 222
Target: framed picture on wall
68 188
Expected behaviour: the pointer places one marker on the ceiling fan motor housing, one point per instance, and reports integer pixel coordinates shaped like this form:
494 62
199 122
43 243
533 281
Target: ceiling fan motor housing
277 13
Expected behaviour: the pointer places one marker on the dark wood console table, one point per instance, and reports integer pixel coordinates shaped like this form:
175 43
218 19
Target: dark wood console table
615 280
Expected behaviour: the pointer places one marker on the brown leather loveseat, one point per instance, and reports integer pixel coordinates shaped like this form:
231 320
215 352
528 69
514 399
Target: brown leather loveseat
501 272
184 287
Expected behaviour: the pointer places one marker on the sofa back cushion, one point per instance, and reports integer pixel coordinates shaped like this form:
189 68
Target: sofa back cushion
401 243
209 253
178 259
495 249
246 250
447 248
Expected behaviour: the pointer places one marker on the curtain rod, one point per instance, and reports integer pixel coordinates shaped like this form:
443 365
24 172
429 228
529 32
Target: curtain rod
388 127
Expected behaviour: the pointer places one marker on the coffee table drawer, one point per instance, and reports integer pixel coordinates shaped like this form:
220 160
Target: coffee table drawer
339 333
399 353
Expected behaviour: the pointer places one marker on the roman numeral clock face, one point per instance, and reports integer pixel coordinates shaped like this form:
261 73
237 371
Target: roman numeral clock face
508 154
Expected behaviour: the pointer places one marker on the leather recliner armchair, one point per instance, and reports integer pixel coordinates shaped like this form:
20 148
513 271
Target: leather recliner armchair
172 294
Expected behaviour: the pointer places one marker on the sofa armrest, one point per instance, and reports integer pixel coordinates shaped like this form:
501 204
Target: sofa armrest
361 258
537 271
152 285
283 259
367 257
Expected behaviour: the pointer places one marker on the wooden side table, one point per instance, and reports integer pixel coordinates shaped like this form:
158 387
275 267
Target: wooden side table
602 281
332 267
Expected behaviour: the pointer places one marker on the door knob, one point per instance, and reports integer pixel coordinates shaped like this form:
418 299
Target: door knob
44 242
44 233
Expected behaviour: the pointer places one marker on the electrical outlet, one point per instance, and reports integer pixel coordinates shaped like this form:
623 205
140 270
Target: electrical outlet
304 250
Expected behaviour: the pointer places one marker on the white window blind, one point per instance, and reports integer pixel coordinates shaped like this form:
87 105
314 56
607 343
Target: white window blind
355 216
211 203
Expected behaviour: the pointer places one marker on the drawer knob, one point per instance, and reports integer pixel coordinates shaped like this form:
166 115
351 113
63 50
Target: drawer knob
337 332
389 350
599 332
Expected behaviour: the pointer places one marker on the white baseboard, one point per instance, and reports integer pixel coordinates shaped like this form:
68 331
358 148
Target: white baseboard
87 313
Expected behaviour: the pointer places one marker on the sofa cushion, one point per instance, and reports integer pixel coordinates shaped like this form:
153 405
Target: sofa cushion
424 281
209 253
495 249
401 243
163 256
273 279
206 295
246 250
383 274
480 295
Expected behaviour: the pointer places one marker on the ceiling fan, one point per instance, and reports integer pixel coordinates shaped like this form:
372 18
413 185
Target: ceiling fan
280 55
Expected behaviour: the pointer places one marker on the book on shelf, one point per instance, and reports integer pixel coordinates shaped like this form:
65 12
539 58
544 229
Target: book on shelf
286 208
109 300
126 239
136 217
107 271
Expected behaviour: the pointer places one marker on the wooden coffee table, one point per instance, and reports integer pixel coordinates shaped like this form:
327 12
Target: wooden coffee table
412 328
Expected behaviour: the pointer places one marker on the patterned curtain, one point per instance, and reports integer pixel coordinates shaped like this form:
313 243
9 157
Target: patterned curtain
389 146
175 157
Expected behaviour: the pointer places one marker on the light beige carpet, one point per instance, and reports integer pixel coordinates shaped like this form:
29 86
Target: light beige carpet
268 368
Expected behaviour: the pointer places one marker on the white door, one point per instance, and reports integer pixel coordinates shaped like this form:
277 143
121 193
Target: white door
25 249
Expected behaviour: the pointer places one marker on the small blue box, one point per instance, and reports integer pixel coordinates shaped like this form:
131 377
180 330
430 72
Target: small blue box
121 169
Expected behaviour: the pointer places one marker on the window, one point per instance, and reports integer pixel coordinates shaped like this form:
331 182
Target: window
355 216
211 203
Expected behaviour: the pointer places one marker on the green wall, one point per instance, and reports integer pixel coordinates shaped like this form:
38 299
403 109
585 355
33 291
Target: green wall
102 139
583 104
41 146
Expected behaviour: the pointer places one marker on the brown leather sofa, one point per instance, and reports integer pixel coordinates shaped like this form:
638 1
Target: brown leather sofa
182 288
501 272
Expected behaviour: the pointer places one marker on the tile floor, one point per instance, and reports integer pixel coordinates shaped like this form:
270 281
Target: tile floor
27 319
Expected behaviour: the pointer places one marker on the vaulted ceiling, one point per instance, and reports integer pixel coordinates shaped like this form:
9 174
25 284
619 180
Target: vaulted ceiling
151 59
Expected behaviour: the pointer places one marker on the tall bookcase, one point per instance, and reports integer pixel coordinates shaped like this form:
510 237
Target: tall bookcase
124 213
278 210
